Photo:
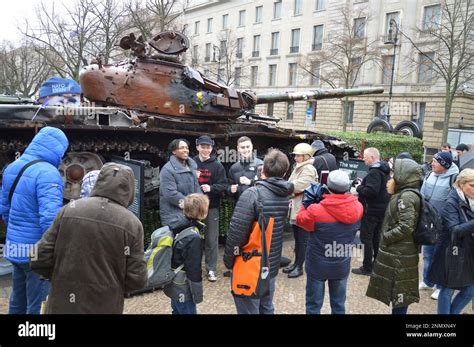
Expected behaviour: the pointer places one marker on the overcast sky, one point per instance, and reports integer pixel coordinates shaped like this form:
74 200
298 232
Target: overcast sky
13 13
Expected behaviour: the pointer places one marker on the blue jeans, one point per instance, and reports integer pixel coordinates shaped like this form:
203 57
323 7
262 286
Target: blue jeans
400 310
28 290
264 305
446 304
427 255
315 295
187 307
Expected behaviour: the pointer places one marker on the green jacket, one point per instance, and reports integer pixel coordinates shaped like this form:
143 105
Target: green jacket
395 276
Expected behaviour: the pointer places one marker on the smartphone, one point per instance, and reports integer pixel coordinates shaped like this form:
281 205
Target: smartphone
324 177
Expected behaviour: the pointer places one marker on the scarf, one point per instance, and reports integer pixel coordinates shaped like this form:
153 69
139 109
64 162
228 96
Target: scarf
468 200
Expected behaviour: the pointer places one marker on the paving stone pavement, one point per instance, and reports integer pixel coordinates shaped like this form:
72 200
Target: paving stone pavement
289 296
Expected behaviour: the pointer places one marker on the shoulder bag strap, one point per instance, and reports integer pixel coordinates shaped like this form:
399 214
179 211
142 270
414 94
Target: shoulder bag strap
327 165
17 179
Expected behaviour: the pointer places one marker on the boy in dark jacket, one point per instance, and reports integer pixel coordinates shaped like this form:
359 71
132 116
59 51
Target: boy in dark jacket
213 182
186 289
274 194
374 197
333 224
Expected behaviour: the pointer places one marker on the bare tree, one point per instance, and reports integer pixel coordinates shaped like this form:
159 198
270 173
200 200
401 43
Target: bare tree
68 33
111 19
23 69
228 63
452 57
153 16
345 52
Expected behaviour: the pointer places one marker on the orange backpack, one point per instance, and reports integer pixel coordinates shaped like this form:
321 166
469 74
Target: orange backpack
251 271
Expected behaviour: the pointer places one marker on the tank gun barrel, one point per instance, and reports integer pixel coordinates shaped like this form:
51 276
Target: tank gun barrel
315 94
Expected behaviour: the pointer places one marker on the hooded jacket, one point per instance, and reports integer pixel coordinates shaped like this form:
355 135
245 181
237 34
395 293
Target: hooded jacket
324 161
373 190
395 275
176 182
461 231
212 172
247 168
302 176
38 195
93 252
333 224
436 187
274 194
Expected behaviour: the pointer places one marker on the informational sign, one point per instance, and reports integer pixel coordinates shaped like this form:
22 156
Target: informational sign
355 168
138 169
309 117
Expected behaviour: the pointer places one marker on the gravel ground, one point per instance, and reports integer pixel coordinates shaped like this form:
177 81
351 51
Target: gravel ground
289 296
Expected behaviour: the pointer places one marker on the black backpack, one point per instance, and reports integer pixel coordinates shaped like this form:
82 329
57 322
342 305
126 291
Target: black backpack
429 224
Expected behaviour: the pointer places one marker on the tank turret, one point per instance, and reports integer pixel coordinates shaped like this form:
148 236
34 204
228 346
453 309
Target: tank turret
156 82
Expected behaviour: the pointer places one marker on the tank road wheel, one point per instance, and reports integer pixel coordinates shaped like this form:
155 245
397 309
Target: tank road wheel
409 128
379 125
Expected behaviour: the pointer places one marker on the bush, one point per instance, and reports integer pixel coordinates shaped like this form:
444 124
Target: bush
150 224
389 145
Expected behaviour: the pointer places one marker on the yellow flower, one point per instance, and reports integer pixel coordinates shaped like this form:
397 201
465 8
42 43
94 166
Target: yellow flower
199 95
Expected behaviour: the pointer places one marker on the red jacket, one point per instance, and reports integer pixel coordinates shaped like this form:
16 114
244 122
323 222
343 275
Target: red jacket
333 224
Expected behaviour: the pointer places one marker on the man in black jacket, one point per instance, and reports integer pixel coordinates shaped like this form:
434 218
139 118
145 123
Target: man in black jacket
274 194
244 173
374 197
323 160
213 182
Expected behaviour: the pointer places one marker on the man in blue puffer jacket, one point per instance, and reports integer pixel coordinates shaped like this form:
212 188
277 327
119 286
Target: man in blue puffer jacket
36 200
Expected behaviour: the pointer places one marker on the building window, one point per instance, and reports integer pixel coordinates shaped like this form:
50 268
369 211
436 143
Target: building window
359 27
254 76
431 17
292 69
315 73
241 18
209 25
256 46
389 17
350 114
195 57
225 21
272 69
238 75
425 72
314 108
355 71
387 62
418 113
240 47
275 43
270 109
317 37
223 49
320 5
381 110
220 75
295 41
207 58
277 9
258 14
290 108
298 7
196 28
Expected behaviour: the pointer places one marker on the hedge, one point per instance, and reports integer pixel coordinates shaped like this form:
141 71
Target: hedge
389 145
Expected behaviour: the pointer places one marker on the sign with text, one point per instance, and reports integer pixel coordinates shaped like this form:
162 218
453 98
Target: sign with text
138 169
355 168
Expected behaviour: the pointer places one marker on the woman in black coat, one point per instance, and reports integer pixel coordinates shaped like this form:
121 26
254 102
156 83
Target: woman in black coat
452 265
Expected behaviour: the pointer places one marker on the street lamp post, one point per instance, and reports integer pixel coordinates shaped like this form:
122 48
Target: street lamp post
393 41
217 61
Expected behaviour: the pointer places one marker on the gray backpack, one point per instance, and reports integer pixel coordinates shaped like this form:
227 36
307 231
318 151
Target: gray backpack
159 254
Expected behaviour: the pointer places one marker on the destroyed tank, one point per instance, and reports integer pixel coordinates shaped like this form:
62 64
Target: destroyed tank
134 108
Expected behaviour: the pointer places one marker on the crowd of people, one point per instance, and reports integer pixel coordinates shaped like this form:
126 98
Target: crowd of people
85 256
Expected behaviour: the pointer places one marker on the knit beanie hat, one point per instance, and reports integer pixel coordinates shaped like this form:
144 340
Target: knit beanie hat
445 159
338 182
